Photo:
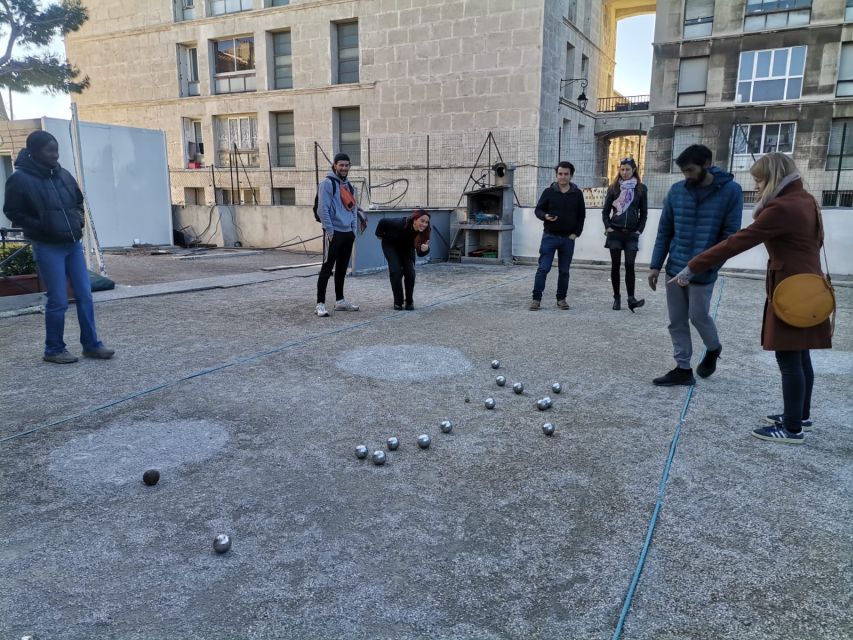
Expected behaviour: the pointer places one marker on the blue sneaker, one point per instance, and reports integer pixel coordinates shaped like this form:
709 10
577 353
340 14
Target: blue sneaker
776 419
778 434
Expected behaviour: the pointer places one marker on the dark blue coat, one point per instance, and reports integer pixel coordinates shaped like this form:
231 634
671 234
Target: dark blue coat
693 220
46 203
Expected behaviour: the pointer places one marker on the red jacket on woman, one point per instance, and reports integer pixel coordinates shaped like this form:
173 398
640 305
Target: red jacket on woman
788 227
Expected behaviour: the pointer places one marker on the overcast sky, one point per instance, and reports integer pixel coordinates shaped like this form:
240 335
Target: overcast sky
632 78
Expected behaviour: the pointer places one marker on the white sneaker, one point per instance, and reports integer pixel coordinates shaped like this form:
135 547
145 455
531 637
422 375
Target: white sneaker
343 305
321 310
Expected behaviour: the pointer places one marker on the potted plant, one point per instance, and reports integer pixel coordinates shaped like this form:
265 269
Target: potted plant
18 271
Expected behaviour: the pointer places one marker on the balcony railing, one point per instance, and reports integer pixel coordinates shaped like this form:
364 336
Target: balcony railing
619 104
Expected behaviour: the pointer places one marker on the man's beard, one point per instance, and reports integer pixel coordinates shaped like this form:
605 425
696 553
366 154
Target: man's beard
702 175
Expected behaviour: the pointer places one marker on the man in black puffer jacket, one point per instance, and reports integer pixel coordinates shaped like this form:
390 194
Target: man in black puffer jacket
44 200
561 207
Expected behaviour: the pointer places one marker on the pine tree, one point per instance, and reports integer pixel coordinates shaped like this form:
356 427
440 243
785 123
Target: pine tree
30 27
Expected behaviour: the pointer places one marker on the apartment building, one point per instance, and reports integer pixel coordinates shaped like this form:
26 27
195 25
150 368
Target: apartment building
746 77
252 84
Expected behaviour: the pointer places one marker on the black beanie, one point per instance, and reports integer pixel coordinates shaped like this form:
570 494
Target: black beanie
341 157
37 140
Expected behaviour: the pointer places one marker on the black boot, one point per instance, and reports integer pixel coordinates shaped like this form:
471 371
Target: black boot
617 303
709 362
676 377
633 303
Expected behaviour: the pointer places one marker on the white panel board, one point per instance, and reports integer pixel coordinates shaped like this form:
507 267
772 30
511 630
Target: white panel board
126 180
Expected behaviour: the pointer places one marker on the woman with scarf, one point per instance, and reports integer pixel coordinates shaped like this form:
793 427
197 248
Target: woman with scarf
401 239
44 200
787 220
624 216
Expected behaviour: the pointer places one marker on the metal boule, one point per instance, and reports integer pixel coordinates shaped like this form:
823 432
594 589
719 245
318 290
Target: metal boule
361 452
446 426
378 457
496 364
489 403
548 429
151 477
424 441
518 387
393 443
221 543
556 387
501 381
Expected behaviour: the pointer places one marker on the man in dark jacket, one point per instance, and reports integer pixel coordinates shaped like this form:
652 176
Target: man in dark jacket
703 209
561 207
44 200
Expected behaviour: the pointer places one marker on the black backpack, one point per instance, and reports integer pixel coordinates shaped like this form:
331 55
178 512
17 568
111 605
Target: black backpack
334 191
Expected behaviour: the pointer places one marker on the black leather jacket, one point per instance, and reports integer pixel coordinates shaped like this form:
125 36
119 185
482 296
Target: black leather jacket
46 203
634 217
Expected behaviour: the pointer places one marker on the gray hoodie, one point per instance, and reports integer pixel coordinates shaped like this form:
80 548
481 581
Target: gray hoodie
333 214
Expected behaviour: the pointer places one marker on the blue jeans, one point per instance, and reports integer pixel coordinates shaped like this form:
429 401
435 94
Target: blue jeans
564 247
56 262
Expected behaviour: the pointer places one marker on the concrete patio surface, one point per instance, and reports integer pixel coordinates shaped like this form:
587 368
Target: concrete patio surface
250 407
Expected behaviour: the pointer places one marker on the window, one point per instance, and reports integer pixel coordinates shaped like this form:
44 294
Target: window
277 3
698 18
776 14
194 195
186 9
284 195
282 61
584 66
242 132
349 133
750 141
841 128
848 10
285 145
771 75
572 10
221 7
193 143
683 137
188 61
570 69
692 82
844 88
237 196
235 65
347 49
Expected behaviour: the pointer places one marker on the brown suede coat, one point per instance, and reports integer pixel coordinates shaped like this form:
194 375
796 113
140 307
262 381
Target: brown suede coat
788 227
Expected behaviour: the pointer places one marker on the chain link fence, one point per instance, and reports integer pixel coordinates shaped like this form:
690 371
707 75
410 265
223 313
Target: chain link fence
436 170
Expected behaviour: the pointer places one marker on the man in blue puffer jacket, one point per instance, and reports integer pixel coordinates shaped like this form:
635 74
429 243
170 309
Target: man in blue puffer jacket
703 209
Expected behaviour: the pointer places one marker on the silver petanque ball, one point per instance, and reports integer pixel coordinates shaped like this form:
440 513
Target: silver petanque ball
393 443
496 364
424 441
221 543
489 403
518 387
446 426
548 429
378 457
361 452
501 380
556 387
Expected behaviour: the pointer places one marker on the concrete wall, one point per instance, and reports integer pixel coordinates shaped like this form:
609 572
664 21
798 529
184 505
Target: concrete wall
590 246
251 225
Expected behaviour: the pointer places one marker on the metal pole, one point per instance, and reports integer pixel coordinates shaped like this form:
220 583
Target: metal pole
90 236
369 181
840 162
230 175
269 166
732 145
559 144
427 173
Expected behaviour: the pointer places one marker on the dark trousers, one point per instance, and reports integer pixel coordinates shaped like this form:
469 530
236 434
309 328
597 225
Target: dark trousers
797 383
401 269
615 260
564 247
337 250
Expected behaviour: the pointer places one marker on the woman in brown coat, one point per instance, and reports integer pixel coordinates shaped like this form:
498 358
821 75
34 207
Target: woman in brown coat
787 221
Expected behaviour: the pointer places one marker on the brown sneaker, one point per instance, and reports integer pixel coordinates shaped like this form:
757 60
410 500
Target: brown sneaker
100 353
60 358
535 305
562 304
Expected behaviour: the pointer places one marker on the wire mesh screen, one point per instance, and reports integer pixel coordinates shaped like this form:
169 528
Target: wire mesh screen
435 170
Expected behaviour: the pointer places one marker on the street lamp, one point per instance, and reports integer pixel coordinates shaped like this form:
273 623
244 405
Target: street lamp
582 99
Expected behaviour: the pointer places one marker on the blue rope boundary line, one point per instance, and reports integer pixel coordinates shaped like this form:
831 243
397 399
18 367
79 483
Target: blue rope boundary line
256 356
629 597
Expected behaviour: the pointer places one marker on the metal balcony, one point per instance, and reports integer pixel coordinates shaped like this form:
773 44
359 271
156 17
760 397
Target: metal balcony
618 104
